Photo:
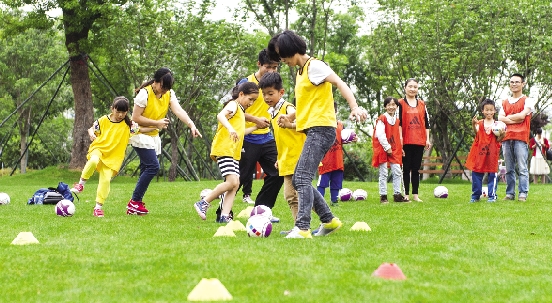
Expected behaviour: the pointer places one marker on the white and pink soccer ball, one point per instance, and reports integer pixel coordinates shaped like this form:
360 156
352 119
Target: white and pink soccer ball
440 192
497 126
261 210
347 135
345 194
258 226
65 208
4 199
360 194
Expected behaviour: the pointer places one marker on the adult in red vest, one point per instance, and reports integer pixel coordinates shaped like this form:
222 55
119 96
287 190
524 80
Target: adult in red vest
516 113
414 122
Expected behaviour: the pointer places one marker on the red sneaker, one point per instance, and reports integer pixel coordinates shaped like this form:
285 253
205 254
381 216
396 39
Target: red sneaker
98 213
136 208
77 188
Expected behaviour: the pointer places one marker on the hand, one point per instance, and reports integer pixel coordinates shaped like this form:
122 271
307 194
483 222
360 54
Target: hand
234 136
358 114
92 136
403 153
475 120
262 123
276 164
427 145
283 120
389 151
195 132
162 123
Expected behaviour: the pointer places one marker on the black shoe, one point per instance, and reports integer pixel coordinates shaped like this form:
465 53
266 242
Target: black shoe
400 198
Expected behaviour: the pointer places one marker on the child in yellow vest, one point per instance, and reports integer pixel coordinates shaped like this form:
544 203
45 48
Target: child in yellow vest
109 135
316 118
226 149
289 142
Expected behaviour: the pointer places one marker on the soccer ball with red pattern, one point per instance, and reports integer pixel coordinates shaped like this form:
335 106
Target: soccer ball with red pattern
258 226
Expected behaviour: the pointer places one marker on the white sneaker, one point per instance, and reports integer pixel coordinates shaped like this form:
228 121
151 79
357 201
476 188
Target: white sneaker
247 199
296 233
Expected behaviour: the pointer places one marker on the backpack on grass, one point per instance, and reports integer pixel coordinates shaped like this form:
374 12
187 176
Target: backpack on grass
51 195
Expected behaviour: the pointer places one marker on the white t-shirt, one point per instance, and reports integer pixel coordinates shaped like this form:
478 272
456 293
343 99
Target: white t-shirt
318 71
142 98
529 102
380 130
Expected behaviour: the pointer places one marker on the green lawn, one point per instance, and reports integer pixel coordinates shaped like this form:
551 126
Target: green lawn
450 250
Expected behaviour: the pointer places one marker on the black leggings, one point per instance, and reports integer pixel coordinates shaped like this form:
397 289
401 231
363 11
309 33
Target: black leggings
411 165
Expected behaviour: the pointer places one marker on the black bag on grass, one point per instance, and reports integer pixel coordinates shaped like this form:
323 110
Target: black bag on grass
51 195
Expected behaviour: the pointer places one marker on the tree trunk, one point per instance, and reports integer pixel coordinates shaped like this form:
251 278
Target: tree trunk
84 111
24 126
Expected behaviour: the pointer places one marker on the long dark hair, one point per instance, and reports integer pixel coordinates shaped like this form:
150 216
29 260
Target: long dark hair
163 76
246 88
121 104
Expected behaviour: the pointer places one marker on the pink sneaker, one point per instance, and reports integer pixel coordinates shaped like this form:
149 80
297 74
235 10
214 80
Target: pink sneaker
77 188
136 208
98 212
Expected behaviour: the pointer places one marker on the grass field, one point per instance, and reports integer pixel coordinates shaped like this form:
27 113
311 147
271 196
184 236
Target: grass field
450 250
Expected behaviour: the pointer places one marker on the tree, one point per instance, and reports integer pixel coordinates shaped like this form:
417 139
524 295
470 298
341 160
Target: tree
26 61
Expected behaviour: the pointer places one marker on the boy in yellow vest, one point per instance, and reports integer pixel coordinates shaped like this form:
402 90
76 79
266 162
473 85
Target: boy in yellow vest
289 142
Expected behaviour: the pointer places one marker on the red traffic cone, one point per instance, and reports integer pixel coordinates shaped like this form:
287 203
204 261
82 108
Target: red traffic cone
389 271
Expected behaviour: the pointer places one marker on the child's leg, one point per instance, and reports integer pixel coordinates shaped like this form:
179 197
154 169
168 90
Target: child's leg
396 171
492 186
382 180
290 194
323 182
233 182
90 167
336 183
477 181
104 184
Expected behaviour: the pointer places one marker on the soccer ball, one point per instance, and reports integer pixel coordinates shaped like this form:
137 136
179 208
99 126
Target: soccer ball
4 199
345 194
258 226
261 210
360 194
440 192
497 126
347 135
484 192
65 208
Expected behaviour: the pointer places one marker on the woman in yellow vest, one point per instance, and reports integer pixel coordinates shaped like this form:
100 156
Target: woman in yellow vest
315 117
151 105
109 135
226 149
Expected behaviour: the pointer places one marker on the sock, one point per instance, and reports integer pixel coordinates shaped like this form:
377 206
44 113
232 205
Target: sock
224 215
82 182
98 206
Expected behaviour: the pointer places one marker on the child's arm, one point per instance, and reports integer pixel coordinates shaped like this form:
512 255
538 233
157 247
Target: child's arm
91 133
227 112
475 125
251 129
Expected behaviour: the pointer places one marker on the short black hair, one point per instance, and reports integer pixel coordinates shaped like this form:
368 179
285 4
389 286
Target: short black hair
273 80
285 45
389 99
518 75
410 80
486 101
264 58
538 131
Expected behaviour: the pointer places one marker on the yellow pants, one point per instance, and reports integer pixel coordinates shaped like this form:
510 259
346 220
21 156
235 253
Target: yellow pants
105 174
291 196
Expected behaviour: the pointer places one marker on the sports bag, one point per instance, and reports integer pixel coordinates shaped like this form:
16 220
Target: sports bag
51 195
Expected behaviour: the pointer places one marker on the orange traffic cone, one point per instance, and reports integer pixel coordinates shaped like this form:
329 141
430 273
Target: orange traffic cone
389 271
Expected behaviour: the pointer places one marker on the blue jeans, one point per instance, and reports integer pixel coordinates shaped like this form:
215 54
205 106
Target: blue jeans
516 152
477 182
149 166
318 142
